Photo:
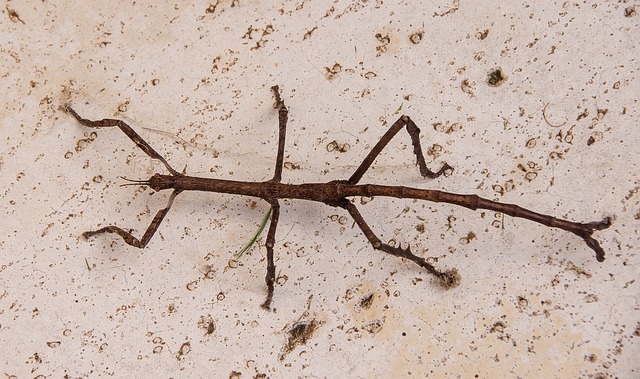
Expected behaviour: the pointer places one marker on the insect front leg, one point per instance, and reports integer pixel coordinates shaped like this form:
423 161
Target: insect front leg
126 129
128 237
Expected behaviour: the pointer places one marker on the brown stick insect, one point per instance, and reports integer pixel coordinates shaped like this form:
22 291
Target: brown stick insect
334 193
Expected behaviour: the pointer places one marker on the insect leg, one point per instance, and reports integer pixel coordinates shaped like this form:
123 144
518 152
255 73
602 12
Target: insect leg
447 279
128 237
271 240
414 133
283 115
135 137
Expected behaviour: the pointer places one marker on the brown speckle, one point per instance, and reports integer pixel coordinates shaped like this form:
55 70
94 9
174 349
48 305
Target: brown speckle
13 15
482 35
365 302
307 35
630 11
496 77
416 37
184 350
333 71
207 323
299 334
466 87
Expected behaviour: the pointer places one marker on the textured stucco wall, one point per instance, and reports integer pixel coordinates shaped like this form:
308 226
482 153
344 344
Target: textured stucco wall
559 135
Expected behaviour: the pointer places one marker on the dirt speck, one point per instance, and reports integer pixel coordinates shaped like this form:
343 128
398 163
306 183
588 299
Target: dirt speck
482 35
299 334
207 323
416 37
496 77
365 302
184 350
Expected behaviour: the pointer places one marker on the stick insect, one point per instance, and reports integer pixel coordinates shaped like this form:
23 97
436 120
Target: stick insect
334 193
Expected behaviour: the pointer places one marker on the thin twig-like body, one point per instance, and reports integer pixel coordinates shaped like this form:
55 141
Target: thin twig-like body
333 193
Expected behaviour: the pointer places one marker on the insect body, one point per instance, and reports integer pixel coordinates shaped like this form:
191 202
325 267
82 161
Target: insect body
333 193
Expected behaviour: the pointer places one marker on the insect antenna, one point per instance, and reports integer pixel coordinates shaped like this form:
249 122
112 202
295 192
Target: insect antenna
133 182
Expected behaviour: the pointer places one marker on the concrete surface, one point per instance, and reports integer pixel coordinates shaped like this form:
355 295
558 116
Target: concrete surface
558 134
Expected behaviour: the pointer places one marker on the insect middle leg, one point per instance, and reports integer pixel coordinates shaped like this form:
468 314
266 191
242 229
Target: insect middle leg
270 278
414 133
271 241
283 116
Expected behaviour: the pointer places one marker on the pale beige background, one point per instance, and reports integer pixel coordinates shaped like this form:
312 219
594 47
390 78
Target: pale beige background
194 80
